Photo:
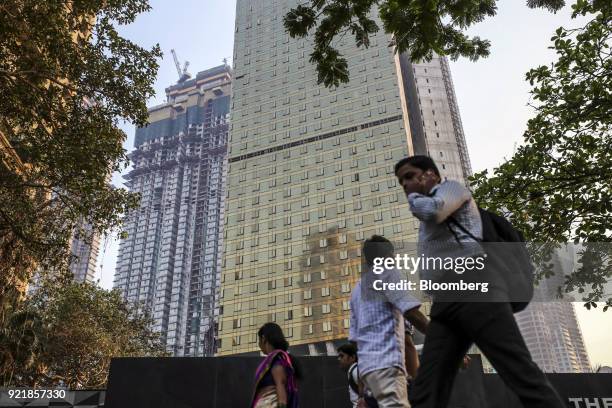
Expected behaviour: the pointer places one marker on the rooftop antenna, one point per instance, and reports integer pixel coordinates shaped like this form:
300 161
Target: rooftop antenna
182 73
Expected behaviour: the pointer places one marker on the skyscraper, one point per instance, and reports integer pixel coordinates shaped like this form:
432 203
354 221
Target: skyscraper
170 258
554 338
435 124
311 176
84 248
550 328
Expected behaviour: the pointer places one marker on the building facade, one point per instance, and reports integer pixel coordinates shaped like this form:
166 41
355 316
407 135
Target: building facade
550 328
85 249
311 176
435 124
170 259
553 336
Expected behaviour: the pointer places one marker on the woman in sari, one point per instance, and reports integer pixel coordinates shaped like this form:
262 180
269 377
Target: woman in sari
276 377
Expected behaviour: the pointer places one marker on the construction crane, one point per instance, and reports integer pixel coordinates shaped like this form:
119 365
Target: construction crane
182 73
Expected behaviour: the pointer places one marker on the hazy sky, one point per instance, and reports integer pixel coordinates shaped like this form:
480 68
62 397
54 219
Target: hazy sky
492 93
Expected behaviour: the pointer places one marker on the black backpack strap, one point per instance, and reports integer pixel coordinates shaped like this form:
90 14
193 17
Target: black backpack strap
354 386
451 219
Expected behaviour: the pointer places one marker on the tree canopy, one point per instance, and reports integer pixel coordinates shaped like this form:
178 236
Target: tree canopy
557 187
418 27
67 333
66 78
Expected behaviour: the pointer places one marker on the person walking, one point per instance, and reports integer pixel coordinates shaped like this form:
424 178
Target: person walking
456 325
377 327
347 357
276 376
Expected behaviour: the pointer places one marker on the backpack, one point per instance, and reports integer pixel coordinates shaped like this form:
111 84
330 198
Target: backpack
369 400
515 266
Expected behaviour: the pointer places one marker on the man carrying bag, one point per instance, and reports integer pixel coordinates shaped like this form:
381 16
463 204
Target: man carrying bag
449 216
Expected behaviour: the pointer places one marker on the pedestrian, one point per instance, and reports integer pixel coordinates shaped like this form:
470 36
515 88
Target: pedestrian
347 357
456 325
276 376
377 327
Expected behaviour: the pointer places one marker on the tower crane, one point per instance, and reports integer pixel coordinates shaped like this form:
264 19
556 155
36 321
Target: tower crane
182 73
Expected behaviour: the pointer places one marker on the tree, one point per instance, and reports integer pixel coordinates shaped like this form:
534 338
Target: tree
67 333
66 79
557 187
418 27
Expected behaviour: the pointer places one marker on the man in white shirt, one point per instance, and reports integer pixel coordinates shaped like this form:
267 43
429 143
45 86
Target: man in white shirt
455 325
347 357
377 327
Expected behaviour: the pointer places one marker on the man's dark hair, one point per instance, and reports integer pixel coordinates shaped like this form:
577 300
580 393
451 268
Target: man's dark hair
420 162
377 247
349 349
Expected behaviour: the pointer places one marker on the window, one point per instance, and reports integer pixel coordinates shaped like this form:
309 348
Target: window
326 326
307 294
325 291
308 311
325 309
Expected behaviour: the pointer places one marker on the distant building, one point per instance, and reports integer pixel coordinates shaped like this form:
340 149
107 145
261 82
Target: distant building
170 259
84 248
550 328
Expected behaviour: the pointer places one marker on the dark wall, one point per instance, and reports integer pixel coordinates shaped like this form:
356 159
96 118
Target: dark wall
227 382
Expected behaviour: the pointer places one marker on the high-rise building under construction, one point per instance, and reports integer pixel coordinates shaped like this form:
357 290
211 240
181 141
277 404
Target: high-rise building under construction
549 325
311 175
169 260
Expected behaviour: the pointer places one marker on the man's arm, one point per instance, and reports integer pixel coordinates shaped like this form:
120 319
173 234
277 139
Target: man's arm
412 357
448 198
353 323
418 319
402 300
